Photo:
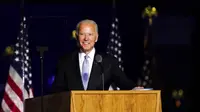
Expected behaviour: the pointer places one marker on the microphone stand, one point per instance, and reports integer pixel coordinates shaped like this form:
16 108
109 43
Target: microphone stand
102 74
41 50
103 80
98 59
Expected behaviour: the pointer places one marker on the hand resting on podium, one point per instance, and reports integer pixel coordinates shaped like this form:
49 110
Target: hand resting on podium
141 88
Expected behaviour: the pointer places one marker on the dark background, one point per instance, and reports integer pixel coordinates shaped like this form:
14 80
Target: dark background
51 24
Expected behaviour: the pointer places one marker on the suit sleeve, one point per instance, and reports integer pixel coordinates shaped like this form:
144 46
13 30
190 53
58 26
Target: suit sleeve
59 84
120 78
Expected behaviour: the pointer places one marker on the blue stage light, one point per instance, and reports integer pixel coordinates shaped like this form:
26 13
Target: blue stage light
50 80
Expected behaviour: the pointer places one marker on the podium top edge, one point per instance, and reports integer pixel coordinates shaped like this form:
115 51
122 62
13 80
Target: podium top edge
116 92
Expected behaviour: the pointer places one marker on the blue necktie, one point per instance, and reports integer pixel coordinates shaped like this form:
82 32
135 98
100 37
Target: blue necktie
85 71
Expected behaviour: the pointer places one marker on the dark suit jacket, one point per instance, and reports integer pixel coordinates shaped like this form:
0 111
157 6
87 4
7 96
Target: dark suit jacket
68 76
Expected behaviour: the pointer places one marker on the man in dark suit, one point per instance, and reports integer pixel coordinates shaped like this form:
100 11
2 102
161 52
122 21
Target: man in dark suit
80 71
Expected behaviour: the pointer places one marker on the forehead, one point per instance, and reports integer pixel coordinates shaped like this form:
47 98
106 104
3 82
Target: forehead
87 26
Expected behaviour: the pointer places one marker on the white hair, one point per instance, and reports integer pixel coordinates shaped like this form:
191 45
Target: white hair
87 21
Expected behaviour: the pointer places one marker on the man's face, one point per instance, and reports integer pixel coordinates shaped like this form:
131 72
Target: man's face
87 36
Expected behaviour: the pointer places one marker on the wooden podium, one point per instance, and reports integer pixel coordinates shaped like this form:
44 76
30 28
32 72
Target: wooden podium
116 101
98 101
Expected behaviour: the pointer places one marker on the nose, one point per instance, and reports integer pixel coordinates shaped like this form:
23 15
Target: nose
86 37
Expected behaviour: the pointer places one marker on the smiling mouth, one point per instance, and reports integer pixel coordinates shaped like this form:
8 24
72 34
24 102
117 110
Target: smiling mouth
86 43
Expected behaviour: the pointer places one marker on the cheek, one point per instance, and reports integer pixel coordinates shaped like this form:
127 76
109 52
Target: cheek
92 43
80 39
94 39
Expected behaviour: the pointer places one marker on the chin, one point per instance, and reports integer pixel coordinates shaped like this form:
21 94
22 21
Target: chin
86 50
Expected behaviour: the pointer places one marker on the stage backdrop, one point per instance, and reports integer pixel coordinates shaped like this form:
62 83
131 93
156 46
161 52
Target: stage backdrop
52 25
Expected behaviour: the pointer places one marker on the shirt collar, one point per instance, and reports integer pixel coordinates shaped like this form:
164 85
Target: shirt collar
90 54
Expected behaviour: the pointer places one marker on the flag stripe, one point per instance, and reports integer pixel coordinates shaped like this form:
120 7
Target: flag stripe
12 95
26 94
10 103
30 95
19 84
16 77
15 87
4 106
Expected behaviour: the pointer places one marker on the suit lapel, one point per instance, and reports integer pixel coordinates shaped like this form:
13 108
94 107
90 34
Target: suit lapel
95 76
78 73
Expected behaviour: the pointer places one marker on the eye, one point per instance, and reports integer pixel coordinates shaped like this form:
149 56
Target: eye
80 33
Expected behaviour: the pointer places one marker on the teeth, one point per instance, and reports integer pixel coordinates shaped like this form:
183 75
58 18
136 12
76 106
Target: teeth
85 43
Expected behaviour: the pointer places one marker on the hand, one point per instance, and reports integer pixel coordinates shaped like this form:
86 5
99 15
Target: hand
138 87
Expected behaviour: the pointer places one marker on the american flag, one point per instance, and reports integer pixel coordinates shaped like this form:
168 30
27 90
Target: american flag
146 71
146 80
19 84
114 47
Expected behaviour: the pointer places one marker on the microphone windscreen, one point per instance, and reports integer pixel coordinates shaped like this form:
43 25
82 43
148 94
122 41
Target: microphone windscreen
98 58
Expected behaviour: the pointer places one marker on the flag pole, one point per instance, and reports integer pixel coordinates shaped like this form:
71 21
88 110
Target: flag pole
149 13
114 8
21 21
22 8
113 4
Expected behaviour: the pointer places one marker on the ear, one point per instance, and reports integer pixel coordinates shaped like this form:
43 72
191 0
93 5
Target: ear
97 37
76 35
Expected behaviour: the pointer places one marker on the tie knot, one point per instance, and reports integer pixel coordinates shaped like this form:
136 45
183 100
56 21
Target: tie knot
86 57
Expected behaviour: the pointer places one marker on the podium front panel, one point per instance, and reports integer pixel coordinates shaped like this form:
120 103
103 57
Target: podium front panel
116 101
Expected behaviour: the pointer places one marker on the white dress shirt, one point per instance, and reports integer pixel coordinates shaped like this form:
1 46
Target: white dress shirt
91 58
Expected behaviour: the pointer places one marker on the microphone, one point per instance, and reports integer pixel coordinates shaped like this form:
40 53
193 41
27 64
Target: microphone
98 59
